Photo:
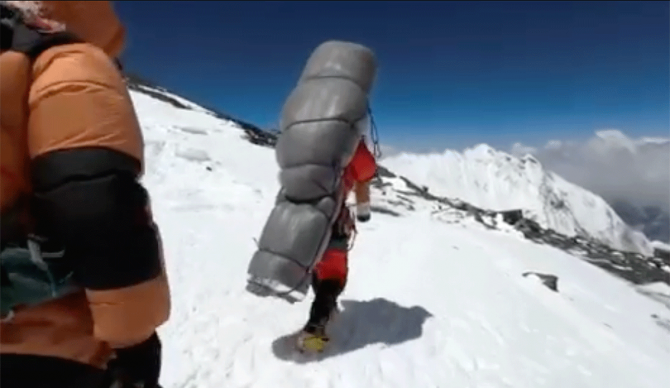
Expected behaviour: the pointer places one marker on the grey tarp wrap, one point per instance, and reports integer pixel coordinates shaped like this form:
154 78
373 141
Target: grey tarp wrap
319 134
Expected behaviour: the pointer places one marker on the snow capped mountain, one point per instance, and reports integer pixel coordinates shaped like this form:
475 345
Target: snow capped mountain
440 293
631 174
496 180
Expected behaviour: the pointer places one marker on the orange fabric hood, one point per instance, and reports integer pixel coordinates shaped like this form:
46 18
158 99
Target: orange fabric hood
94 21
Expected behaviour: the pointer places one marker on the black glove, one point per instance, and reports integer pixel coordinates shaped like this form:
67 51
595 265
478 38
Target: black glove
138 366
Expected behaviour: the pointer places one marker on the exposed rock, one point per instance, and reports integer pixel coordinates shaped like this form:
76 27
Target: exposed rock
551 281
662 254
663 323
383 172
512 216
383 210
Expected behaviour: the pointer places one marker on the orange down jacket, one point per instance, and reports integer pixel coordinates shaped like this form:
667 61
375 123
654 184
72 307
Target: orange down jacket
65 115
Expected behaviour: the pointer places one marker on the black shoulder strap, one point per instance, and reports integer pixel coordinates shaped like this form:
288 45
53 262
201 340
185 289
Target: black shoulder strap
18 36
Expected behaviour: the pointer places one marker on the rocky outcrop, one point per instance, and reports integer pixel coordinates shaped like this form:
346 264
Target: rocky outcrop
662 254
550 281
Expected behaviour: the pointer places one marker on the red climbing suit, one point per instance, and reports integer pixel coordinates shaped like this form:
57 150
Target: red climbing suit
360 170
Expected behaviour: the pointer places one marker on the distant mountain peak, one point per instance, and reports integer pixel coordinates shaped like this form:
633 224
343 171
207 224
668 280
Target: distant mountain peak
493 179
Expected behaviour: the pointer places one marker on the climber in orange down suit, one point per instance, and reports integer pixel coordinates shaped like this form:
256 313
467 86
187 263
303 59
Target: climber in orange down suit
330 275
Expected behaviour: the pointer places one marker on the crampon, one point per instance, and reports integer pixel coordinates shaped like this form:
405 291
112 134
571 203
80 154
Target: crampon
312 340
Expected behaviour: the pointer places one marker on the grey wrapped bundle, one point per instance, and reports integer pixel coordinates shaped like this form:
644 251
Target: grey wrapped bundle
319 135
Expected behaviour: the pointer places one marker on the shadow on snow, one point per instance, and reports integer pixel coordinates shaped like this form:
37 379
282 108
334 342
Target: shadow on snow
359 324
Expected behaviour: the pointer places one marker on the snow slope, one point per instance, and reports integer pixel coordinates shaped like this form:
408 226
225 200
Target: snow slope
431 301
496 180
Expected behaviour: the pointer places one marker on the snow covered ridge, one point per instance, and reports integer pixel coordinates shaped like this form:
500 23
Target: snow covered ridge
492 179
252 132
397 196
